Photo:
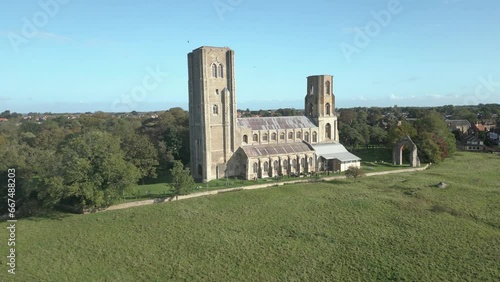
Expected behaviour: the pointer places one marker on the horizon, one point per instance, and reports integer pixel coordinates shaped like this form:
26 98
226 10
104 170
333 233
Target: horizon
133 56
239 109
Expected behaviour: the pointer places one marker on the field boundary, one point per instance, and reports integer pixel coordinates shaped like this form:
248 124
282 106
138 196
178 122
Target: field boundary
251 187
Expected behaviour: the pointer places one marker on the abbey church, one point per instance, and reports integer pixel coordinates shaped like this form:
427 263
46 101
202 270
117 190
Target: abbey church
223 145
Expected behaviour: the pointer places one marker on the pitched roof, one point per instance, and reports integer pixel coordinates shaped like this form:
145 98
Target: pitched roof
480 127
276 149
266 123
458 122
335 151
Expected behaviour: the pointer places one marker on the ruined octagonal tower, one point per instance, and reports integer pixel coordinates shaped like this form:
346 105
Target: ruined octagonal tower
320 107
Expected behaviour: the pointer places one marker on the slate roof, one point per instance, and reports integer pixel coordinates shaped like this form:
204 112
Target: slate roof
334 151
276 149
269 123
458 122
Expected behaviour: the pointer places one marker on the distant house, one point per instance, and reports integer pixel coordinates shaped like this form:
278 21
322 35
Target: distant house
485 126
459 124
3 119
471 143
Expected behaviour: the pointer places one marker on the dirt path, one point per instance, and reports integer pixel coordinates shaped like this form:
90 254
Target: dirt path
252 187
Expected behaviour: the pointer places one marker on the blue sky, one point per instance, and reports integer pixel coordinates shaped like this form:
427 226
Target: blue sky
82 56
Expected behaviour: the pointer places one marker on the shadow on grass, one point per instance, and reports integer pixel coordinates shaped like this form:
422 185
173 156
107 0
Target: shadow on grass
444 209
340 181
53 215
159 180
146 197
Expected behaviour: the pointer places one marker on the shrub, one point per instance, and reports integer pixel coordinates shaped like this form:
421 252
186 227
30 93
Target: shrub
354 172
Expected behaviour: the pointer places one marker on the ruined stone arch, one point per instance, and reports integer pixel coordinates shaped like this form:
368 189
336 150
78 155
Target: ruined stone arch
397 152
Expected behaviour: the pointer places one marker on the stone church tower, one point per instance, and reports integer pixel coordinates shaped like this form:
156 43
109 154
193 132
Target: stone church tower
320 107
212 111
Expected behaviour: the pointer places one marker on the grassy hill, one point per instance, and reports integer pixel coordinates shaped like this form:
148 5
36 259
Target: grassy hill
393 227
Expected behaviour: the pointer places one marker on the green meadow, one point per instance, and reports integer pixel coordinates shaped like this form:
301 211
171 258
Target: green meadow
397 227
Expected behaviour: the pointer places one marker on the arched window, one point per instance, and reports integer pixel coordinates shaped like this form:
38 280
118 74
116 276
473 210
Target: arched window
255 138
266 167
327 109
215 110
276 165
306 136
312 90
310 161
328 131
273 137
255 168
214 70
303 162
285 165
245 139
328 87
310 110
290 135
299 135
315 137
221 71
264 137
294 164
282 136
216 91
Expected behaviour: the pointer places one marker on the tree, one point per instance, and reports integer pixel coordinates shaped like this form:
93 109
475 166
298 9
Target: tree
170 135
397 132
5 114
92 173
49 138
354 172
349 136
434 138
182 181
377 135
30 165
142 154
374 116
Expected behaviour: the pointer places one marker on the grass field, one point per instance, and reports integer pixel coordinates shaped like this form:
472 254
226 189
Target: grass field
391 228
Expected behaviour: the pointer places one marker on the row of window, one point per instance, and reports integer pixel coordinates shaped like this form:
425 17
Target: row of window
218 70
328 88
298 135
276 164
265 137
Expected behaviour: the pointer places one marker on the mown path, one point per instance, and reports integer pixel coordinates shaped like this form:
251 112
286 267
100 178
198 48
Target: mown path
257 186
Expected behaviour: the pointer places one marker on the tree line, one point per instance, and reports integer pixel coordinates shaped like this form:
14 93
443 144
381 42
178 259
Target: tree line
364 127
89 161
